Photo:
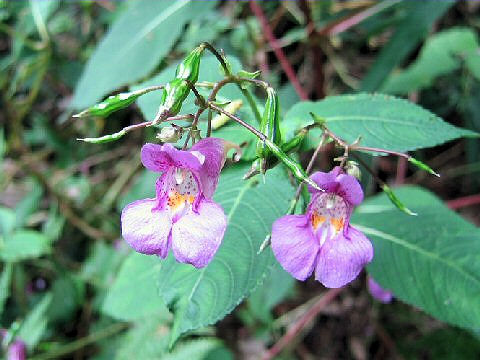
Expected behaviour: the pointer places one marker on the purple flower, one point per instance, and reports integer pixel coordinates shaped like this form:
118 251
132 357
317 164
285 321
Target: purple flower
16 350
323 239
182 216
379 293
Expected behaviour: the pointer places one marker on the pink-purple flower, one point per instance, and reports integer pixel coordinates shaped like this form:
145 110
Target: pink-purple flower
16 350
322 240
183 217
378 292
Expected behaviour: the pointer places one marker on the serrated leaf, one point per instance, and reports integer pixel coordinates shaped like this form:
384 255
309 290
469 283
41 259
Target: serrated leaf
134 295
381 121
429 261
440 55
202 297
134 45
23 244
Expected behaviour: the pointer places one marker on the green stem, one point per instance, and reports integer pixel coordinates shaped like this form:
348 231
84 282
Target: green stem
80 343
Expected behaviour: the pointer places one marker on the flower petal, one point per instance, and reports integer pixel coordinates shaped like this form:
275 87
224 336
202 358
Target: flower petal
350 189
341 259
162 157
326 181
213 151
197 236
294 245
378 292
146 230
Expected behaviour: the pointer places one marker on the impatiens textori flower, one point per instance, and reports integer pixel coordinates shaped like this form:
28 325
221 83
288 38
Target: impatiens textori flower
322 240
182 216
379 293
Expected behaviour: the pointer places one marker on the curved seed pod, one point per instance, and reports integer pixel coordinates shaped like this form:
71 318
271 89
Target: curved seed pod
177 90
115 102
270 127
189 68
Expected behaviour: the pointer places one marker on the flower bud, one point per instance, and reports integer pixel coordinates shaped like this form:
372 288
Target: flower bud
170 134
352 168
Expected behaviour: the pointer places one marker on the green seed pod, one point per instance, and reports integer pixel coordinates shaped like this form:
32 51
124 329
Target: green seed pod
115 102
270 125
396 201
295 167
189 68
174 94
423 166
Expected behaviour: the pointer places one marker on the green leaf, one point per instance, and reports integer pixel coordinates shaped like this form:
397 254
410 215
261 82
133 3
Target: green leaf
29 204
440 55
7 221
193 350
415 25
147 339
134 46
24 244
276 287
381 121
202 297
68 293
35 324
5 279
429 261
133 295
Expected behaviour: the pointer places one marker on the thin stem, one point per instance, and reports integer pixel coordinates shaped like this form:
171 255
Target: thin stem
249 127
81 343
326 299
274 44
309 168
245 92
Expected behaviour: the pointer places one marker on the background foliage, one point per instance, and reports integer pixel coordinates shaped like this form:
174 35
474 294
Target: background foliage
69 285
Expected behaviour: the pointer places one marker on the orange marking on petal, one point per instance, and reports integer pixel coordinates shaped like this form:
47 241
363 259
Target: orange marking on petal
190 199
337 223
317 220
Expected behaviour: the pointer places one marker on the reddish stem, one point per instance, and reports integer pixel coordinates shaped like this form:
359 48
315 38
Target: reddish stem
401 170
464 201
277 49
329 296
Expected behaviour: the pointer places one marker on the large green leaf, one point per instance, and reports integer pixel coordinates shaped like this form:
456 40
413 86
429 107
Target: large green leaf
202 297
440 55
418 17
134 45
134 294
382 121
23 244
430 260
